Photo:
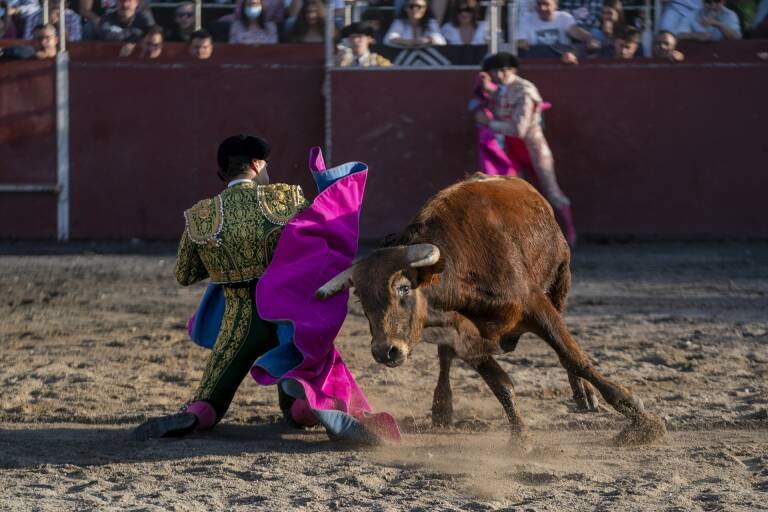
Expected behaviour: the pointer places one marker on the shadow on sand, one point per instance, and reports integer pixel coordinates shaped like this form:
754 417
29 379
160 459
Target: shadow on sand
28 446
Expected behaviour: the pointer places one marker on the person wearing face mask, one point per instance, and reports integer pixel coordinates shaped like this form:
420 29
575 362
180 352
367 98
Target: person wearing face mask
251 26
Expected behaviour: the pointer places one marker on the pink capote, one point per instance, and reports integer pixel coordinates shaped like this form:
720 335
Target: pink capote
315 246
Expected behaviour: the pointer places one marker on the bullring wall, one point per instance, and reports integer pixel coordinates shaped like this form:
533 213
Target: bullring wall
645 148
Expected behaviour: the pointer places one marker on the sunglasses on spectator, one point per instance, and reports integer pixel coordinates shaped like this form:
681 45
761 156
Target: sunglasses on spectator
466 8
417 6
186 14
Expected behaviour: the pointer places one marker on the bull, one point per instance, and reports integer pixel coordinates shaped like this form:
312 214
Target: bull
486 256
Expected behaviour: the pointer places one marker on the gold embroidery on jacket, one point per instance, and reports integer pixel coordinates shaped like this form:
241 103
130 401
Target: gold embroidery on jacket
279 203
235 234
235 324
205 221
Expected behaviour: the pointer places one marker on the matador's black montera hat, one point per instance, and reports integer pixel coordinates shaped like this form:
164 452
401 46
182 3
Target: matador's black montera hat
500 60
242 146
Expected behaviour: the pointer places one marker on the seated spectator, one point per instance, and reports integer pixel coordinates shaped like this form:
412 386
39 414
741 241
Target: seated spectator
73 23
465 26
675 14
414 26
23 8
45 44
610 24
549 31
250 25
712 23
760 21
93 10
201 45
377 20
183 23
125 23
7 26
665 47
357 53
586 12
626 44
151 45
309 26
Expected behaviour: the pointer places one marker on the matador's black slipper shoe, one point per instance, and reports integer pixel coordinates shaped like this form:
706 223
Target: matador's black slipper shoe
175 425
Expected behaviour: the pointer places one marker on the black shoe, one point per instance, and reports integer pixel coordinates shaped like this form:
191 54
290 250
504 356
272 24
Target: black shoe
175 425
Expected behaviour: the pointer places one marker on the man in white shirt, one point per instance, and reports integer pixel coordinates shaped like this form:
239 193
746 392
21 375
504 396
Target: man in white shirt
551 28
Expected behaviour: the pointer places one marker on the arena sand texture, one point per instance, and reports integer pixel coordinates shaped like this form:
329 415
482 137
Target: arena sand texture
93 344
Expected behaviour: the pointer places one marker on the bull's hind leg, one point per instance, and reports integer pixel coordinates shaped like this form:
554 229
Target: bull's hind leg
442 404
547 323
584 394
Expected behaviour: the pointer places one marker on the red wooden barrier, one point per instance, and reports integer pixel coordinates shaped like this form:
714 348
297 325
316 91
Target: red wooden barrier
644 148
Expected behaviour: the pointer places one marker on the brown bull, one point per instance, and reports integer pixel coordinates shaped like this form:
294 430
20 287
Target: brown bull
487 255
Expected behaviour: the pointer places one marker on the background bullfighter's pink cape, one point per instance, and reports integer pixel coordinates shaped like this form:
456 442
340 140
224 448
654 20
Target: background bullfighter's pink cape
315 246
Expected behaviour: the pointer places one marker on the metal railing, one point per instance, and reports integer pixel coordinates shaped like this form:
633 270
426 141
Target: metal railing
61 187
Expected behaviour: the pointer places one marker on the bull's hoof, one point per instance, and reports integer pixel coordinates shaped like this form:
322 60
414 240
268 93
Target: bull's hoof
520 440
643 429
587 404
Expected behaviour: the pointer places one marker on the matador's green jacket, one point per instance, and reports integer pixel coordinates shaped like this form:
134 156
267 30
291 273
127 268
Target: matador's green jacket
231 238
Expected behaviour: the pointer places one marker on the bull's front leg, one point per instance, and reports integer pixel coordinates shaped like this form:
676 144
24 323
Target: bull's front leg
501 385
477 352
442 404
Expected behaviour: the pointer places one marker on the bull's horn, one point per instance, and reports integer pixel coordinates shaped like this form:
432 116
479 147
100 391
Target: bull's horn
422 255
342 281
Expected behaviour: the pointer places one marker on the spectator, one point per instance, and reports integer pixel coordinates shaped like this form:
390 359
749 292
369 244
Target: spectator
125 23
250 25
376 19
626 43
309 26
675 14
610 24
548 32
183 23
465 26
151 44
201 45
586 12
712 23
93 10
23 8
44 46
414 26
665 47
73 23
357 53
760 22
7 26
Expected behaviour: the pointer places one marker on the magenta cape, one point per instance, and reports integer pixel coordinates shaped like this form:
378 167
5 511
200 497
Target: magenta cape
316 245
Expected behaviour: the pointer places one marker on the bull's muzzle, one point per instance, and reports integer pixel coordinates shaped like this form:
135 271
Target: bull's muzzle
390 354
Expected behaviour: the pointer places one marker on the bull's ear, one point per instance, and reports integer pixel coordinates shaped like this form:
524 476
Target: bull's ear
427 276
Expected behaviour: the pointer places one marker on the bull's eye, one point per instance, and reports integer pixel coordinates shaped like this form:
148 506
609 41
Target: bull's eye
403 290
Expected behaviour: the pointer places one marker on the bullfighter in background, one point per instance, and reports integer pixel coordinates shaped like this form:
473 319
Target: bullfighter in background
515 108
264 247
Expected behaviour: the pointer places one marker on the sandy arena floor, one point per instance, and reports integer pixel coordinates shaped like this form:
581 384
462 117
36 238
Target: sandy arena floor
91 345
